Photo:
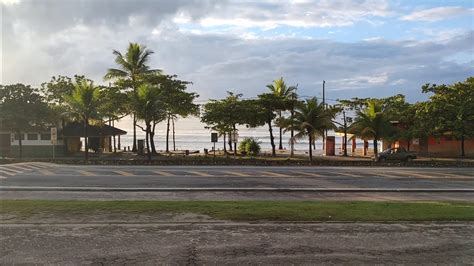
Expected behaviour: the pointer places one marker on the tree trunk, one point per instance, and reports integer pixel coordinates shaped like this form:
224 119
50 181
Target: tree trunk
225 143
310 148
462 146
152 139
408 144
272 140
167 134
230 141
375 146
86 139
118 139
280 145
134 146
345 142
235 142
174 138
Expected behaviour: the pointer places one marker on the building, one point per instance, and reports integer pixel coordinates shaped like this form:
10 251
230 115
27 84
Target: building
442 146
38 143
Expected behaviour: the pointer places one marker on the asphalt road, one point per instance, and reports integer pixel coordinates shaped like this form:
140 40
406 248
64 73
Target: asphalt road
43 177
237 244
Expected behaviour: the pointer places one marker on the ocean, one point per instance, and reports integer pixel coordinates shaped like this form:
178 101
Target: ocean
191 134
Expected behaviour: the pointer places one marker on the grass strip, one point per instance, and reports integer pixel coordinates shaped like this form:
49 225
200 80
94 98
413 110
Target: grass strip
254 210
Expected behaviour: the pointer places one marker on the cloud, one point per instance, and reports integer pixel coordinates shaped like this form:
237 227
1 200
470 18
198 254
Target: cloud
271 14
438 13
79 38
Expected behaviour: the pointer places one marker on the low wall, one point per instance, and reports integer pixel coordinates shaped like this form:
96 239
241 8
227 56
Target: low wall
327 161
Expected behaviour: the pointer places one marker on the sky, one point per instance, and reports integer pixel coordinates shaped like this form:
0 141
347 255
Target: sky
361 48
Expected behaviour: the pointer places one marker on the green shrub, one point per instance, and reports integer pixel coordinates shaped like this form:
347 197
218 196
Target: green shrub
249 146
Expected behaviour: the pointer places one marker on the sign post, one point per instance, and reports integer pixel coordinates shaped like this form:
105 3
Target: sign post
214 139
54 139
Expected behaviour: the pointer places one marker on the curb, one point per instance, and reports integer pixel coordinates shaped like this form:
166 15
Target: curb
231 189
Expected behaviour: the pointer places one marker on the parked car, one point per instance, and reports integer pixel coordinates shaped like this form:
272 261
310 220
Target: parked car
395 154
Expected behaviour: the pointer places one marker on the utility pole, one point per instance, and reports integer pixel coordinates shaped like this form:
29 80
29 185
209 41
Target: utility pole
324 104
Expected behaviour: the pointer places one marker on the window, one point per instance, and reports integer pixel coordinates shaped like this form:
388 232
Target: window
45 136
17 136
32 136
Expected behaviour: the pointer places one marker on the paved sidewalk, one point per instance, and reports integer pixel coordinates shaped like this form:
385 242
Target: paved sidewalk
234 195
237 244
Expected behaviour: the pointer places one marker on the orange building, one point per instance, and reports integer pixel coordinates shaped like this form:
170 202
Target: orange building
443 146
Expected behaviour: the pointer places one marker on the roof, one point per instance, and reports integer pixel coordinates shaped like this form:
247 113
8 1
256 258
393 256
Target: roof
77 130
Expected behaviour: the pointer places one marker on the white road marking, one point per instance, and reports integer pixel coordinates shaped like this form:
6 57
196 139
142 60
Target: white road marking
124 173
273 174
308 174
6 172
199 173
236 173
163 173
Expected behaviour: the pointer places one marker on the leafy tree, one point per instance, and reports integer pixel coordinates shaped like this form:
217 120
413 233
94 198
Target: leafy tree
23 108
224 115
451 109
312 119
147 106
177 102
372 122
132 70
284 94
116 104
215 117
268 104
84 105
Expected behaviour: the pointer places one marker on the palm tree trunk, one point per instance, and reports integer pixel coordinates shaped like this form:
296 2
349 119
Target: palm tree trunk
167 134
280 146
272 141
134 146
152 139
147 140
174 138
292 135
310 141
462 146
86 139
110 137
115 146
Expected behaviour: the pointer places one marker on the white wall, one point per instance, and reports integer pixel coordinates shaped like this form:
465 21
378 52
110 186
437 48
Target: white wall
37 142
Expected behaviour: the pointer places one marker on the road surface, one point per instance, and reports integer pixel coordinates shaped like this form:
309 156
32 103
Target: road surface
43 180
237 244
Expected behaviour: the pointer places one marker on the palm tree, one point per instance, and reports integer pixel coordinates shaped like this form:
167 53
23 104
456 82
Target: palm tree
83 105
311 119
132 68
279 89
372 122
